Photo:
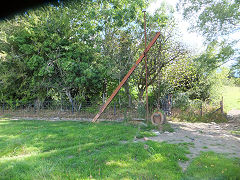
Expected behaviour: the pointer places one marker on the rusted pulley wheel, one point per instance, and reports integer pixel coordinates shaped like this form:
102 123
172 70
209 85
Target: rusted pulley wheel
158 118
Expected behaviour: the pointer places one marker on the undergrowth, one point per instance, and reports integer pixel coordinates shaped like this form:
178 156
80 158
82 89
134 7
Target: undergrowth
216 117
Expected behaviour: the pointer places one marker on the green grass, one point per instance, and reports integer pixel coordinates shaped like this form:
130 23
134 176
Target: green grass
210 165
216 117
167 127
74 150
236 132
231 98
143 134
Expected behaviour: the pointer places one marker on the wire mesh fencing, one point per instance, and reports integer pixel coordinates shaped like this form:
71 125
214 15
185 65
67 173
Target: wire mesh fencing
61 110
75 109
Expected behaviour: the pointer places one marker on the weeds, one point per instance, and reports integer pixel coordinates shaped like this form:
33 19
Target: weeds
190 116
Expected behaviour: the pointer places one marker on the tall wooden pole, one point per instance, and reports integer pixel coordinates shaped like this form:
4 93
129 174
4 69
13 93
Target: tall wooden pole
145 34
126 77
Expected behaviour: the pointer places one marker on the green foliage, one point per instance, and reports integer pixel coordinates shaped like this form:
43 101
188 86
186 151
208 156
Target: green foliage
54 51
167 127
231 98
50 55
191 116
181 100
141 110
78 51
181 74
143 134
214 18
219 22
92 109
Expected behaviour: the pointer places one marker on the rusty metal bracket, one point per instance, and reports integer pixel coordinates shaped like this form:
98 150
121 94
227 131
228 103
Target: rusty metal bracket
126 77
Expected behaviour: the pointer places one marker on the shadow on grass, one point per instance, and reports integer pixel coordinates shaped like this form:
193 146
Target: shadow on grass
21 137
71 150
74 150
107 160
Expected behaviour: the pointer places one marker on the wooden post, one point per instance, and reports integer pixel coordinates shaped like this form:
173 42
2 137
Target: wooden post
72 103
221 105
146 71
201 110
3 107
114 108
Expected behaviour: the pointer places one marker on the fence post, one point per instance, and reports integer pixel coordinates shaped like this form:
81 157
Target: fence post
72 107
221 105
114 108
3 107
61 103
35 108
201 110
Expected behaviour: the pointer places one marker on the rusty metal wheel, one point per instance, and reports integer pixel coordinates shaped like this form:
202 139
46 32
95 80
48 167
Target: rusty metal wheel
158 118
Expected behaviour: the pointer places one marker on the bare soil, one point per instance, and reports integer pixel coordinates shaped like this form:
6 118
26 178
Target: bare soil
205 137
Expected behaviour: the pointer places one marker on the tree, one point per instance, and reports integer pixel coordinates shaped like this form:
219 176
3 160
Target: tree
51 52
212 18
165 52
119 22
64 48
217 21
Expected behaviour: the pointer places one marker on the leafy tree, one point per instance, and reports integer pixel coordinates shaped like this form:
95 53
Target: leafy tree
214 18
217 21
165 52
54 53
67 48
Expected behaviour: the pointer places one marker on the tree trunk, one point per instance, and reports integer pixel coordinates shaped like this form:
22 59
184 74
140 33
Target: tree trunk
126 87
140 94
68 93
104 95
37 104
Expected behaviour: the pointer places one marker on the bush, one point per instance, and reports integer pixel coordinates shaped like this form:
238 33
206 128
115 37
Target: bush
141 110
206 118
237 81
181 101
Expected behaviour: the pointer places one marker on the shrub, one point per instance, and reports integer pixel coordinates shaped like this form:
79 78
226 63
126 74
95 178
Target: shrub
181 100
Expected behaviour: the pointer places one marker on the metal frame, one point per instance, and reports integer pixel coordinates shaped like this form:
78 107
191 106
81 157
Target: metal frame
126 77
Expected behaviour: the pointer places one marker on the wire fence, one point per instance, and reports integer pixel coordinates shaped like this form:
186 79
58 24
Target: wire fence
115 111
54 109
74 109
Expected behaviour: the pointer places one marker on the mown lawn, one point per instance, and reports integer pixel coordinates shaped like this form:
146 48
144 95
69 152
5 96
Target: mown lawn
74 150
231 98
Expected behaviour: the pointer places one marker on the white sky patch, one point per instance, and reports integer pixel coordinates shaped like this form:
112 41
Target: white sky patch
193 40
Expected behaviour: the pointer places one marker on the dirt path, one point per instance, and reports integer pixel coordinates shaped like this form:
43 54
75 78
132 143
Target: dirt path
205 137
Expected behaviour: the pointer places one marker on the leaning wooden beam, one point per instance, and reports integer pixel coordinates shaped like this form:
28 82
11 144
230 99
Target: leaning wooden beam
126 77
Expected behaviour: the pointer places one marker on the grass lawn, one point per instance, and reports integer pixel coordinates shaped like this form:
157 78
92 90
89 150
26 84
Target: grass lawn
210 165
231 98
74 150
